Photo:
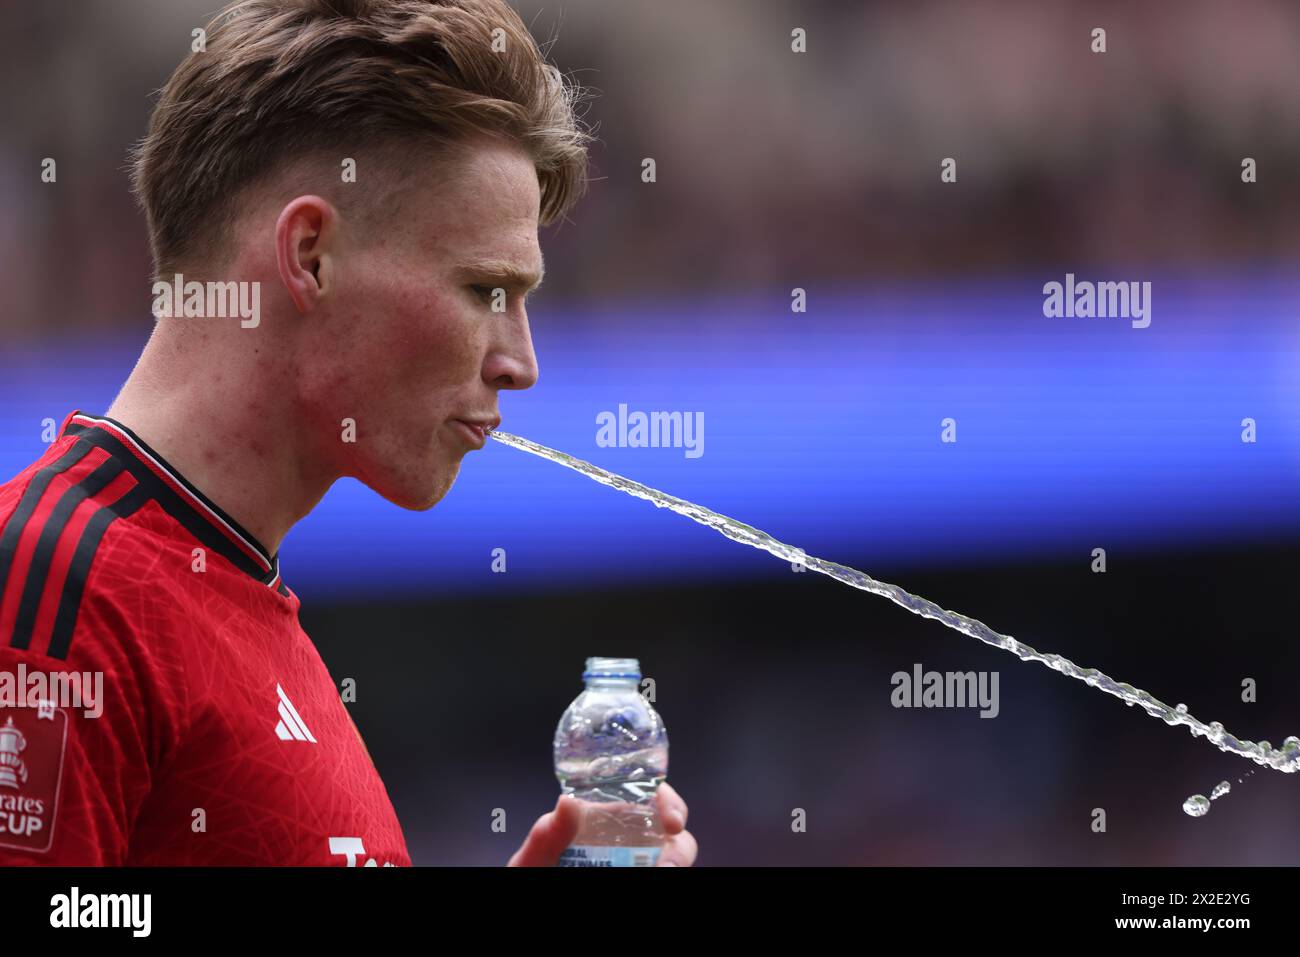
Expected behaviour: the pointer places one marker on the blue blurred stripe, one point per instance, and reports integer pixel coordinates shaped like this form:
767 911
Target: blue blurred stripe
823 429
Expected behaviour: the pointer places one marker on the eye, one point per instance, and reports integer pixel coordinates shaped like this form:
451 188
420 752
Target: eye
483 292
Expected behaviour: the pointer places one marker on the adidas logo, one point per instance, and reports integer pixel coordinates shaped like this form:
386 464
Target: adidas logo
291 726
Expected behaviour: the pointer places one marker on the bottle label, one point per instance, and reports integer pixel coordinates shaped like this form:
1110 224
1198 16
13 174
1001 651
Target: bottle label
591 855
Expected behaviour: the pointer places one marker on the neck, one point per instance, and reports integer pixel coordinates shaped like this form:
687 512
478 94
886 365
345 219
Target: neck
224 421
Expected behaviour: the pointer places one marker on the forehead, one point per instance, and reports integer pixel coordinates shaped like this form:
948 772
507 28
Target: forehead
481 204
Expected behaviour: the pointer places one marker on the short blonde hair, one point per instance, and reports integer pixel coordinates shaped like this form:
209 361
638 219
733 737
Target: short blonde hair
283 78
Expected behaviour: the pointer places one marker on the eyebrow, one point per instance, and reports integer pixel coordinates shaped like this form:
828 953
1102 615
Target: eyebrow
503 273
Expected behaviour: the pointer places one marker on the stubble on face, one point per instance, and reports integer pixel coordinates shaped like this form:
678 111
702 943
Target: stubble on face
409 343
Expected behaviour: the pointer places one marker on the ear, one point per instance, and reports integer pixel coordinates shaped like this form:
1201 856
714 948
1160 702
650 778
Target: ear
306 236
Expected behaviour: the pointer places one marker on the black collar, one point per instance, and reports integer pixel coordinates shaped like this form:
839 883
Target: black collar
200 516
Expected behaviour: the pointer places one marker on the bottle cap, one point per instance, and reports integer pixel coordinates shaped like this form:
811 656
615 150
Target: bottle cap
612 668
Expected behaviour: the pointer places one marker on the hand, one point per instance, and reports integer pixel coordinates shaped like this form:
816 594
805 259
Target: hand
679 848
556 830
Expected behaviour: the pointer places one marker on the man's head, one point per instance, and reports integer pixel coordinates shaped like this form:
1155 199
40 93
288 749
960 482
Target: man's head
380 167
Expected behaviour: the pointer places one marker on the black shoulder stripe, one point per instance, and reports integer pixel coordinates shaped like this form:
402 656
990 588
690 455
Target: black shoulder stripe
27 505
173 504
74 586
39 570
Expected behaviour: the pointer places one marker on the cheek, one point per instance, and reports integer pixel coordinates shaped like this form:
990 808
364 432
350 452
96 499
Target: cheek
409 350
436 342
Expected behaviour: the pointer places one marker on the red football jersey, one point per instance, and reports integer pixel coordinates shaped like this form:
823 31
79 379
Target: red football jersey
216 735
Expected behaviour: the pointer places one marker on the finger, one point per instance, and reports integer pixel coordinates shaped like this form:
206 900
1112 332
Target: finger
679 850
552 833
672 809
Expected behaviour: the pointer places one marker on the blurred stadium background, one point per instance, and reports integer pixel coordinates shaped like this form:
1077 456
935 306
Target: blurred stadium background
817 171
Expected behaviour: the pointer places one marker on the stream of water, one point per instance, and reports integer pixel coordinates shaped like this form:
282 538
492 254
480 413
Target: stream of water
1285 758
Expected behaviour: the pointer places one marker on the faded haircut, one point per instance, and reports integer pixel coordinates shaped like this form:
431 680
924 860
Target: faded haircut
281 80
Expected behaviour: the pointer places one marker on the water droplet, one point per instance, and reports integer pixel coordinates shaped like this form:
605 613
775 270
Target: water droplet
1220 789
1291 744
748 535
1196 805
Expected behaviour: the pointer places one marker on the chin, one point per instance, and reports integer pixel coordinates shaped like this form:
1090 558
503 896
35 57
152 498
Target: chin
423 497
416 485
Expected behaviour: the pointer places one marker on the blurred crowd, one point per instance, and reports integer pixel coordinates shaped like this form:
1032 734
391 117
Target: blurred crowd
774 168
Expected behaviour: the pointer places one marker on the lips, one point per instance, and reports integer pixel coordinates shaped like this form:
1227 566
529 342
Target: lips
476 430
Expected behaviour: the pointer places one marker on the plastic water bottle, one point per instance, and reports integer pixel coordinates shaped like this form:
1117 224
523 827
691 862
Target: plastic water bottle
611 752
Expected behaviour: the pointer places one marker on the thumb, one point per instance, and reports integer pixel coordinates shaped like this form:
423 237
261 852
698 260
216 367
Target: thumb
552 833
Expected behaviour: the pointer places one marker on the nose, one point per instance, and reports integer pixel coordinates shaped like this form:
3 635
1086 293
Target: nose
511 363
